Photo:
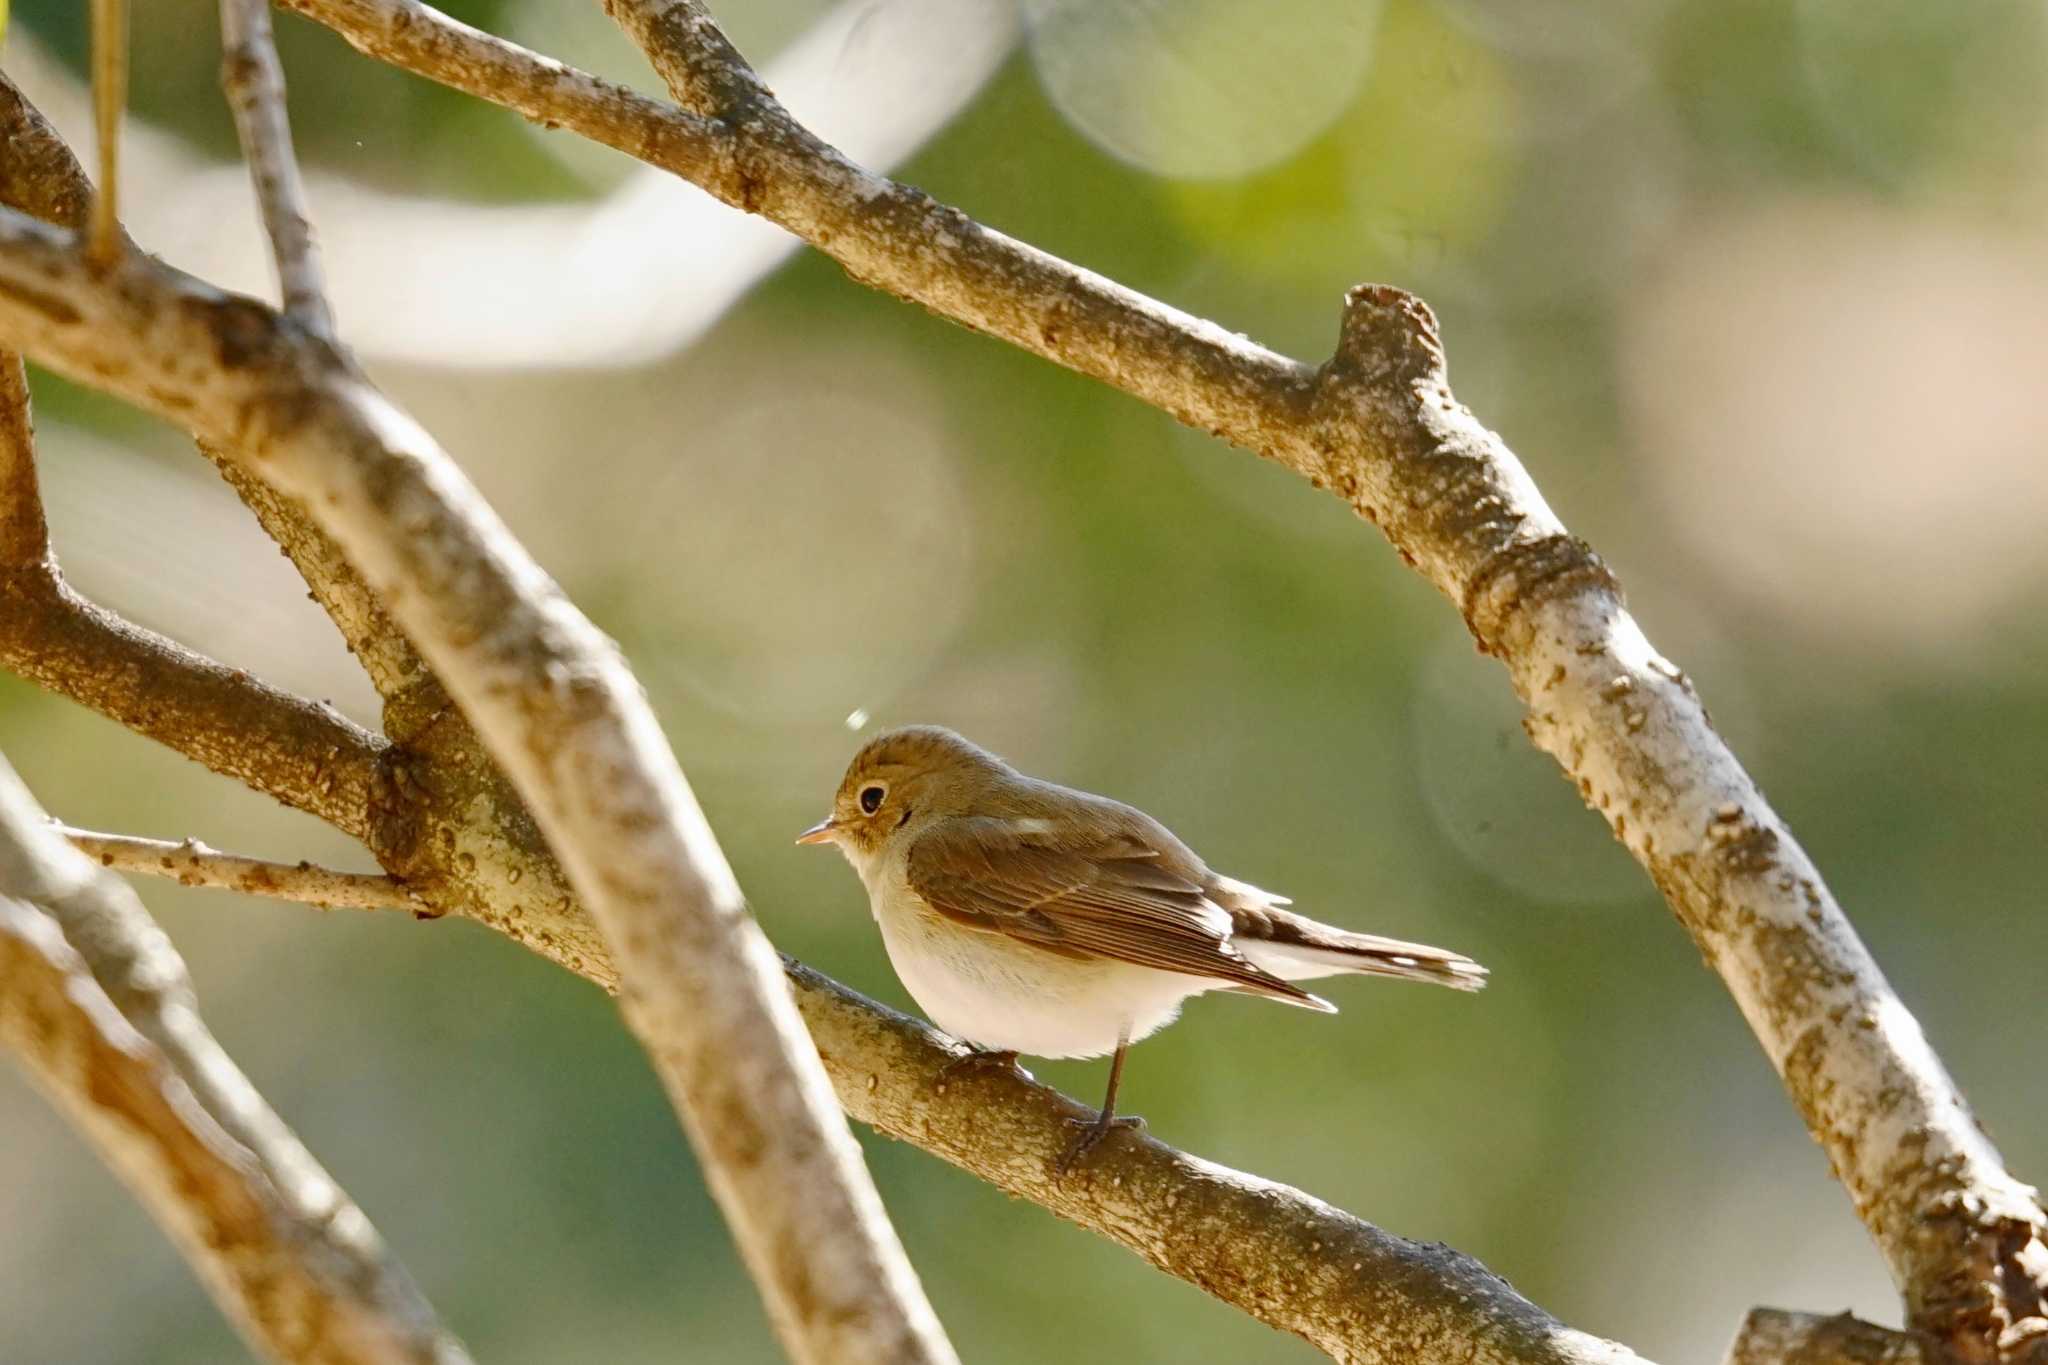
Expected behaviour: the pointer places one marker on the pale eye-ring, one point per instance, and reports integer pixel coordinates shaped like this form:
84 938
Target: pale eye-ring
871 797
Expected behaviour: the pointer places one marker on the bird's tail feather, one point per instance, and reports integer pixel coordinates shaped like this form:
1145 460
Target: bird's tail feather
1296 948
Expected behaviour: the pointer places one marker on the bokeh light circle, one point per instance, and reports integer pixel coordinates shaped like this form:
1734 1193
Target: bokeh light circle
1201 89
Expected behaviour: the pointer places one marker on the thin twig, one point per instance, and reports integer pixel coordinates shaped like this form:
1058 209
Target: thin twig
253 79
1378 426
109 99
101 1011
192 863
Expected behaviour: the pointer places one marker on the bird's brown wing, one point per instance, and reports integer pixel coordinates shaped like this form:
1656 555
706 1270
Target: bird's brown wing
1082 895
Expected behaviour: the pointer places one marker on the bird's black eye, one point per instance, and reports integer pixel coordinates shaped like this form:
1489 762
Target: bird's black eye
871 799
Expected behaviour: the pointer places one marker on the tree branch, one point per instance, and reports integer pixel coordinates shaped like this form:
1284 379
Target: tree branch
1771 1336
1378 427
192 863
253 79
98 1007
302 753
57 191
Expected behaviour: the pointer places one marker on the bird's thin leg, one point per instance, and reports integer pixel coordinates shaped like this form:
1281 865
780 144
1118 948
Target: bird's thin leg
981 1059
1094 1130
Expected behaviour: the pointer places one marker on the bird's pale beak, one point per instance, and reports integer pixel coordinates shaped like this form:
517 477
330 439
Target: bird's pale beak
820 833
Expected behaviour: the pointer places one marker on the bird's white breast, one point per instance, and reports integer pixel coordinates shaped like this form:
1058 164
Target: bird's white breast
1000 993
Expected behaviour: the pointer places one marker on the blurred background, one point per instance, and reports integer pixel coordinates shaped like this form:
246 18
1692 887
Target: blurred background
1759 291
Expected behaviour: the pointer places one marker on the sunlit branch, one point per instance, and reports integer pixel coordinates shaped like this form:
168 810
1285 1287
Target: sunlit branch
192 863
253 78
98 1008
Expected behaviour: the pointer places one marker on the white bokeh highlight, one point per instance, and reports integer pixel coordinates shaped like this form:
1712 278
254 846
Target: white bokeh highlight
1201 89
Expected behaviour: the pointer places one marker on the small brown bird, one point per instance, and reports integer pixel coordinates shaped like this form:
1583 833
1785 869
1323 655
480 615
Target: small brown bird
1027 917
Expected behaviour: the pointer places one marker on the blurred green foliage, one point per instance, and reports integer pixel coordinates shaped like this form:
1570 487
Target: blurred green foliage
1124 605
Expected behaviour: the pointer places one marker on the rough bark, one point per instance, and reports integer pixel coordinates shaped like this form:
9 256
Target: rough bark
1771 1336
191 863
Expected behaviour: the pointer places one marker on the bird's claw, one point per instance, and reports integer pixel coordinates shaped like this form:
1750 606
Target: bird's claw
1093 1131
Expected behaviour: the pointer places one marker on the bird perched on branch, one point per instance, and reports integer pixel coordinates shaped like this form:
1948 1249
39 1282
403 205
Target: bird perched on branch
1027 917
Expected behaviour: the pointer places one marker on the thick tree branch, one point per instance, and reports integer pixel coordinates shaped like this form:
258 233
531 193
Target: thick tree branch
253 78
98 1007
39 176
192 863
1379 427
568 723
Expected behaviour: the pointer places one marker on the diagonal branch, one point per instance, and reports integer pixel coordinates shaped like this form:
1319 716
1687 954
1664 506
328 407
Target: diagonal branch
98 1007
1288 1259
192 863
253 78
303 753
1966 1243
570 726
